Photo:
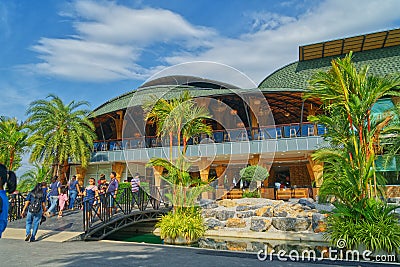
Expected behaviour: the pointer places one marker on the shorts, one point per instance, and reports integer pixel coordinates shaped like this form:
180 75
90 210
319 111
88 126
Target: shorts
111 202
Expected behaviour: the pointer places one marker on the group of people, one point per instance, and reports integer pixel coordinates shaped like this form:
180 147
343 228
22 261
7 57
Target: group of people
42 201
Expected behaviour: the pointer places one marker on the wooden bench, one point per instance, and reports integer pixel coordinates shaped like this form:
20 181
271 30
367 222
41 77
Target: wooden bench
268 193
300 193
233 194
283 193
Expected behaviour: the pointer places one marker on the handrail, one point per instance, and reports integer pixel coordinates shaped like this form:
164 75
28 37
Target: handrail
98 210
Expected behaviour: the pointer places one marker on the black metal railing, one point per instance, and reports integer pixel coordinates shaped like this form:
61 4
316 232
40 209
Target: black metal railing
16 203
104 208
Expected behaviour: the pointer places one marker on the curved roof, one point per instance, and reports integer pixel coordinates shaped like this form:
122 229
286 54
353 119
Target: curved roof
295 76
138 96
187 80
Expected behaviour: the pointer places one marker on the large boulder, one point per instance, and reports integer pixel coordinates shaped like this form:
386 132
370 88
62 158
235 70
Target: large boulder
214 224
207 213
227 203
242 208
208 204
291 224
266 211
309 202
235 223
236 245
245 214
260 224
318 222
224 215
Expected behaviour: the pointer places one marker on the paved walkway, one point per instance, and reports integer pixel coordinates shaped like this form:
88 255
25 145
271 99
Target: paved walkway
110 253
67 228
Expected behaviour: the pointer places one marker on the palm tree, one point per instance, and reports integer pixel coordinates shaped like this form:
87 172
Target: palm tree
183 118
179 116
14 141
61 132
347 97
40 173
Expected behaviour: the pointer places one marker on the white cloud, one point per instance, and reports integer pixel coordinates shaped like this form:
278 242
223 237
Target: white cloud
87 60
111 40
120 24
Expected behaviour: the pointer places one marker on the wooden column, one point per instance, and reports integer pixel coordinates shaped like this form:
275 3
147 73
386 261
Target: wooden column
204 168
220 169
119 168
119 122
157 171
80 175
316 170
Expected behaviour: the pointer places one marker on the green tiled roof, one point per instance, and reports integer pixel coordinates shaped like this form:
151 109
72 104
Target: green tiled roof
296 75
138 96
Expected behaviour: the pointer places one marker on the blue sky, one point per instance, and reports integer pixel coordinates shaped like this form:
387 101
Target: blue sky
97 50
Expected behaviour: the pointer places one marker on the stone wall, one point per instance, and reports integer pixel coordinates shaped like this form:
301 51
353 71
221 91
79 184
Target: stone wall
265 215
299 175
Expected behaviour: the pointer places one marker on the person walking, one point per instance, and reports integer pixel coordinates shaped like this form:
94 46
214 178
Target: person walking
74 190
135 185
112 191
62 199
9 178
54 192
33 210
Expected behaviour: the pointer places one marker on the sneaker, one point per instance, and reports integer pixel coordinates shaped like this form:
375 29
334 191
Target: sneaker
32 239
28 237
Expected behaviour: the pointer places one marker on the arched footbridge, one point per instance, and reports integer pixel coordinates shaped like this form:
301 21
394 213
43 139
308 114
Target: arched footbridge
105 214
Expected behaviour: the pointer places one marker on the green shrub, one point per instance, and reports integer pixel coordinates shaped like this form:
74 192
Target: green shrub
187 223
369 222
251 194
254 173
121 187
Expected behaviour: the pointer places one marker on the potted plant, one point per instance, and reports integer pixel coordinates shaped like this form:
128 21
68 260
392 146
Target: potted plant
182 227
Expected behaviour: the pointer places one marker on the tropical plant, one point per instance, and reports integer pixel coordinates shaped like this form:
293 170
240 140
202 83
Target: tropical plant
185 223
347 97
14 141
369 222
40 173
61 132
179 117
350 176
185 189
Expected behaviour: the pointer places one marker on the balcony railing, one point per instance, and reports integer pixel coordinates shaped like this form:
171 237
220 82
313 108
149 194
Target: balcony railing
293 130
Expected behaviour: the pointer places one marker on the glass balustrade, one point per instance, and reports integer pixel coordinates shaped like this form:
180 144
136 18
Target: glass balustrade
294 130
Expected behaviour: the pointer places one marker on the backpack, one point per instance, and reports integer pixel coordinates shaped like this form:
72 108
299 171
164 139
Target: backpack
35 205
